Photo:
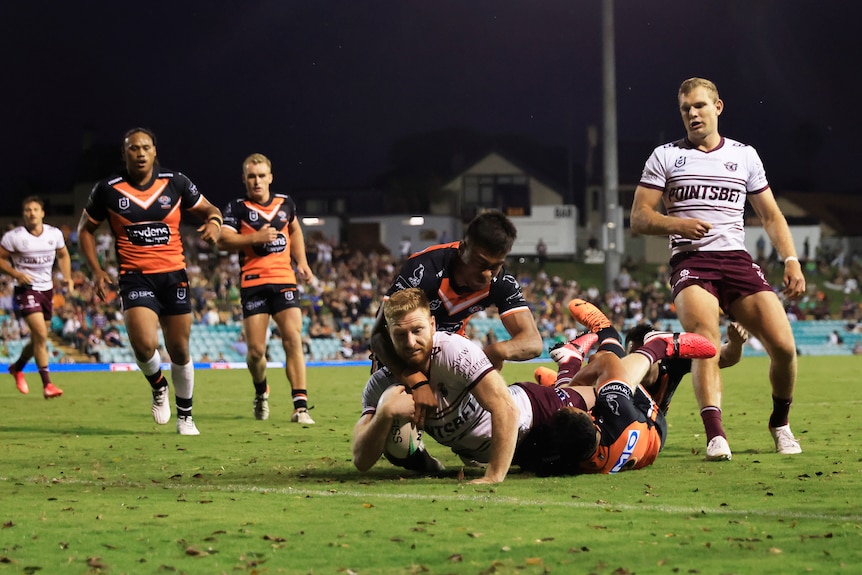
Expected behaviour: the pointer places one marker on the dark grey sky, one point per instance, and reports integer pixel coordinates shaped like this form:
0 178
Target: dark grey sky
324 87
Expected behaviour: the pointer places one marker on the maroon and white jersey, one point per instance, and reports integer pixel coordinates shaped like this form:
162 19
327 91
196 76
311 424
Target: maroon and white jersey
459 422
35 255
710 186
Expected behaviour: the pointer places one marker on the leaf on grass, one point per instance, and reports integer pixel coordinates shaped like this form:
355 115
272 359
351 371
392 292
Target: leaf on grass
205 501
109 546
474 535
160 515
582 549
533 561
6 560
775 551
194 552
8 524
455 558
505 548
198 475
599 526
95 563
176 476
367 505
275 538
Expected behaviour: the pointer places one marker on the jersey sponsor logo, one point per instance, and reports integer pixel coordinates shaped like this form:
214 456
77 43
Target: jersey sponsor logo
627 453
447 428
149 234
434 305
276 246
701 192
36 260
254 304
165 201
141 294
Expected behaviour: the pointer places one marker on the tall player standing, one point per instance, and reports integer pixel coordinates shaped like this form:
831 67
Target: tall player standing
142 205
27 254
704 180
264 228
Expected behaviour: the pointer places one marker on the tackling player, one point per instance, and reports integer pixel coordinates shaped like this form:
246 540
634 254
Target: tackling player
459 279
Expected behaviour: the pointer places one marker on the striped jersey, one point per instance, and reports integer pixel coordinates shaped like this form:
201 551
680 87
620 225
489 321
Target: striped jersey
145 219
268 263
34 255
710 186
452 305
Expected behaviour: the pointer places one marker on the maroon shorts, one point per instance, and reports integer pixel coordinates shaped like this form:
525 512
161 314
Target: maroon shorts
546 401
726 275
29 301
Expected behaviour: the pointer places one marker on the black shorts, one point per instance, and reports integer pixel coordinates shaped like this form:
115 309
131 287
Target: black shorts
268 298
165 294
726 275
29 301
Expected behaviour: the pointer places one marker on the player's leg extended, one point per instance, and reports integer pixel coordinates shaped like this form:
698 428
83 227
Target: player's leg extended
698 311
39 346
255 328
289 323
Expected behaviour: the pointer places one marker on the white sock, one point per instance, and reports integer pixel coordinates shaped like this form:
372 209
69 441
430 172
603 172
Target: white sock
152 365
183 377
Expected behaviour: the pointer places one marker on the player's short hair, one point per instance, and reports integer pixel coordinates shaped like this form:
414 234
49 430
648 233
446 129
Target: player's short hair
635 336
129 133
256 159
692 83
33 200
559 447
403 302
491 231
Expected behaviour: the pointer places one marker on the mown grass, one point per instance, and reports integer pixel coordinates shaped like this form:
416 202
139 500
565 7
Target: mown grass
89 484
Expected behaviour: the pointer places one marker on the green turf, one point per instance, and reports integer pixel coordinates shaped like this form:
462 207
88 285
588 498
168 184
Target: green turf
89 484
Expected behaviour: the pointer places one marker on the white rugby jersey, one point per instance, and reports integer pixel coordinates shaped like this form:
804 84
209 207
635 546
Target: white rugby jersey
710 186
34 255
459 422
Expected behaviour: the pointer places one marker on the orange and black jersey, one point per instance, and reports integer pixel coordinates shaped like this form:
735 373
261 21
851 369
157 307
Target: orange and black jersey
264 263
632 429
145 219
452 305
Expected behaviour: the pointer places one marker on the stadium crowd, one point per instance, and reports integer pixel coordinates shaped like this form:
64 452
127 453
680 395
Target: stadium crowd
349 287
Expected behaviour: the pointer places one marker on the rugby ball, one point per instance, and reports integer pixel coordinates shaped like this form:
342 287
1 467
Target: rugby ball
403 440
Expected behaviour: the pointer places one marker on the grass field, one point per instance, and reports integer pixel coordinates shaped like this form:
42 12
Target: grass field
89 484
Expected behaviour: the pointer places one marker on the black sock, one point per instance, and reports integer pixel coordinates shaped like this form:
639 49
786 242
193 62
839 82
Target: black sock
260 388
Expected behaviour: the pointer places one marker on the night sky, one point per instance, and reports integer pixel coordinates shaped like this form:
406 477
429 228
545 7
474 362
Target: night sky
324 87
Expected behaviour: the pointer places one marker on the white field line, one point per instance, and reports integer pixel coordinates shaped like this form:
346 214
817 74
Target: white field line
467 498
